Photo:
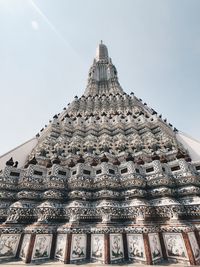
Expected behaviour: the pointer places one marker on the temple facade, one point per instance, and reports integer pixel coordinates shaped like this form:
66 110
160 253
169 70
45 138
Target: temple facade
108 181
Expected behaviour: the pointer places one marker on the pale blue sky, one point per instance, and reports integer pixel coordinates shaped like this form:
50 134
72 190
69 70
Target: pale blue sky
47 47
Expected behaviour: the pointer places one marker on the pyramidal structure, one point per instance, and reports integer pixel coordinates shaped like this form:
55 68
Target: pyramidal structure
108 180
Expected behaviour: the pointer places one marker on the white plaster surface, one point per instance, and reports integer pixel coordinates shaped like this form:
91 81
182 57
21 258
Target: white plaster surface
192 145
19 153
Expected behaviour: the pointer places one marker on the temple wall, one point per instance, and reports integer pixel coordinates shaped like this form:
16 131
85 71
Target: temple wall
107 180
191 144
104 245
19 153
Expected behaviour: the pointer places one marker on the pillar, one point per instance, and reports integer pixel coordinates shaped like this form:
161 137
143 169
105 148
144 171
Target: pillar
88 247
189 249
68 249
53 246
107 248
19 246
147 249
30 249
196 232
162 244
124 237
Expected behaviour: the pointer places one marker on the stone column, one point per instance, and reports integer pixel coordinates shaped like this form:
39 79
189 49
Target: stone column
196 232
107 248
68 249
88 247
147 249
162 244
19 246
189 249
53 246
30 249
125 246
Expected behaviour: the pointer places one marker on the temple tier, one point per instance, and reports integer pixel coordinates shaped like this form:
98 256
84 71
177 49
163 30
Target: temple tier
107 180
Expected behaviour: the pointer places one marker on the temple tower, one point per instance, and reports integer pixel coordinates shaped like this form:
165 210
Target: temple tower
108 180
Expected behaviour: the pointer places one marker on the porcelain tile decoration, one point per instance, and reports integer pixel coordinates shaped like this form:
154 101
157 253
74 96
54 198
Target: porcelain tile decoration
136 247
42 246
107 180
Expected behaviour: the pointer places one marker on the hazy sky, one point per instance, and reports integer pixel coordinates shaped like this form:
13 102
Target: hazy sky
47 47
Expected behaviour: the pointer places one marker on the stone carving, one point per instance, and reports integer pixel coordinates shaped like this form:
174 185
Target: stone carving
175 246
116 247
61 244
78 247
8 245
97 247
42 247
136 247
156 251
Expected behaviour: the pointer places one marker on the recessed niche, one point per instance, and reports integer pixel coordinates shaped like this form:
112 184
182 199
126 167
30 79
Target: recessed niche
137 170
16 174
175 168
124 171
38 173
98 171
151 169
111 171
86 172
62 173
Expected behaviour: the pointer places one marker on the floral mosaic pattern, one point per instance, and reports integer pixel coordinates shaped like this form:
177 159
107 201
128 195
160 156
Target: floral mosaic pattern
136 246
156 251
97 246
8 245
61 246
175 246
116 247
78 248
42 246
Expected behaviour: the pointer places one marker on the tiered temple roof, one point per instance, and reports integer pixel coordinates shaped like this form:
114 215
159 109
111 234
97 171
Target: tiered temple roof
107 165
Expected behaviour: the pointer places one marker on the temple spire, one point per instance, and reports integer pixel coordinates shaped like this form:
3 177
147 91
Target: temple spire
102 77
102 52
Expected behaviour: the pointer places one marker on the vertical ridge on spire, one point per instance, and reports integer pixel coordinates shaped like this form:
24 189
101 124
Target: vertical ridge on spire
102 52
102 74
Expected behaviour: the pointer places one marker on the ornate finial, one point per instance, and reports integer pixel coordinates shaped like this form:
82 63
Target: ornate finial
102 52
102 70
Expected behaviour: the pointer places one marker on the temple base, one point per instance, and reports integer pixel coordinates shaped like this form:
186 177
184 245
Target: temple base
106 243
